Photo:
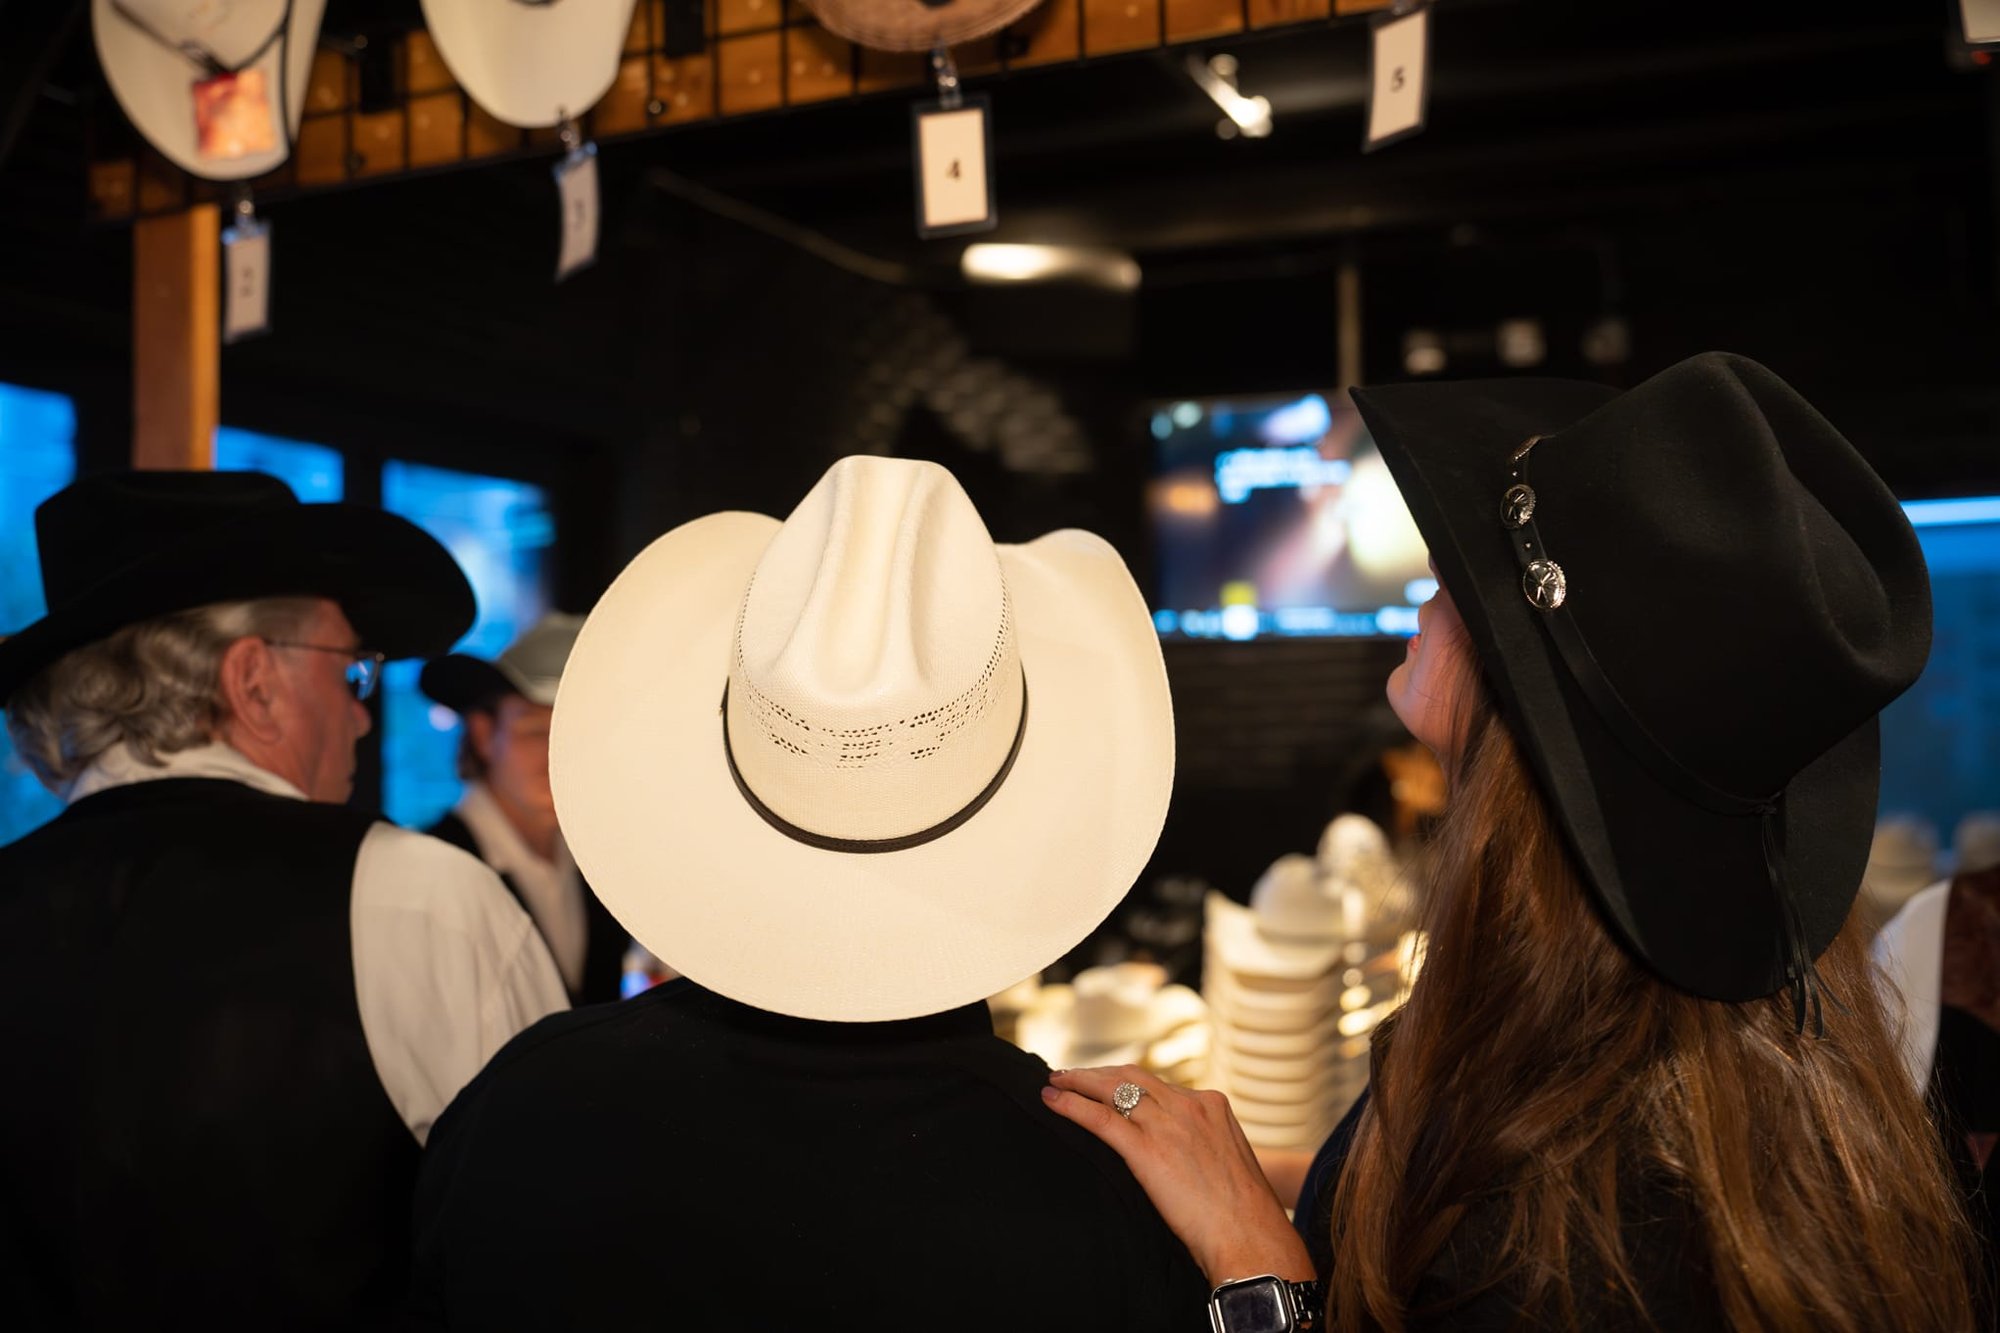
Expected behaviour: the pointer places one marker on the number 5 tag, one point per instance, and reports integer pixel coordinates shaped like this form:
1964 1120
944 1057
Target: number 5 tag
1399 69
954 148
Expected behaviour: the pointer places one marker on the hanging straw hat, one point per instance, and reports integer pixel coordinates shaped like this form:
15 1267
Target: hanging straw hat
864 764
531 64
151 51
916 25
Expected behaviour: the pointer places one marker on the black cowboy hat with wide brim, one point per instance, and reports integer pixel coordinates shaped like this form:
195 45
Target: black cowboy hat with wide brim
1692 600
464 684
124 547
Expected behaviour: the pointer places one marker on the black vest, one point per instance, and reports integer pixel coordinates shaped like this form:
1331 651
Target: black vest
194 1133
605 940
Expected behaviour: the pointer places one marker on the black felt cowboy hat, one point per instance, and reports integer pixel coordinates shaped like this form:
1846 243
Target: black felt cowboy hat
123 547
1692 599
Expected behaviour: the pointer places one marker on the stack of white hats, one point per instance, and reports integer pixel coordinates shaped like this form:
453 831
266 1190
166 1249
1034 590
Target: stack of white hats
1297 981
1125 1014
1275 977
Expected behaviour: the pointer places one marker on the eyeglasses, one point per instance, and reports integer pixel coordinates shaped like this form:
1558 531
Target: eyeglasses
364 669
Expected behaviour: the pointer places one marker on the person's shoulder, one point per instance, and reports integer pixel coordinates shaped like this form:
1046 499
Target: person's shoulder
670 1014
552 1054
401 870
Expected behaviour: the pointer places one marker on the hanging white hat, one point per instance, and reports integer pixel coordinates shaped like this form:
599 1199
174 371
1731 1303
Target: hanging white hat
864 764
531 63
152 52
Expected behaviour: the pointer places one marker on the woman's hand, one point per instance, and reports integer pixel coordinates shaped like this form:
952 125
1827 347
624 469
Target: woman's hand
1189 1155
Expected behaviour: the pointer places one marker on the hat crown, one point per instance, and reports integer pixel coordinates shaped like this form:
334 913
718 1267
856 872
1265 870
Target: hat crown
1291 903
534 662
876 685
1745 580
93 528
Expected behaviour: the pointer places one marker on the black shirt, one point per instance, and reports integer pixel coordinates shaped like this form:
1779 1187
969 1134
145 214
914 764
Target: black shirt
683 1161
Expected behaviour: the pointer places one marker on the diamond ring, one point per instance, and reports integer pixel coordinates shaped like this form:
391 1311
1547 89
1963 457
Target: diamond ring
1126 1096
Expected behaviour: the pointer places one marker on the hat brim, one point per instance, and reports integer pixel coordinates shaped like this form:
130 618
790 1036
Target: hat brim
463 684
399 588
1685 889
916 27
531 65
659 829
153 83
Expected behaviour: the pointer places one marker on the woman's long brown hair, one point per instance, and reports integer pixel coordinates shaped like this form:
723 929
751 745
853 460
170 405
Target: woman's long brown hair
1538 1074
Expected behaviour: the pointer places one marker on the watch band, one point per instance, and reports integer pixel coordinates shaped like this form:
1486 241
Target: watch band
1309 1304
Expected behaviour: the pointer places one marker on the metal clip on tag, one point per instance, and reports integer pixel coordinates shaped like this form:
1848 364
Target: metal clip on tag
950 95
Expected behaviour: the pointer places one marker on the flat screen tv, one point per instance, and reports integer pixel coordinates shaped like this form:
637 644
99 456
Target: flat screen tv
1941 741
1275 517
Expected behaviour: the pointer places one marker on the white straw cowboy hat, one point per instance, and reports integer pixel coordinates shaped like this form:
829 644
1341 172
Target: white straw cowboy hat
531 63
153 53
864 764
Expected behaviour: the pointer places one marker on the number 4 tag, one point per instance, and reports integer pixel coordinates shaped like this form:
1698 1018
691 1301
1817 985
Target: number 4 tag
1398 77
954 160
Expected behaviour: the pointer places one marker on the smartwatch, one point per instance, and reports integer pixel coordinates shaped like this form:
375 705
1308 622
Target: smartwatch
1267 1304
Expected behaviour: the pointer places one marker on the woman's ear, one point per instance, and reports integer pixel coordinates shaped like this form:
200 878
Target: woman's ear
479 726
247 689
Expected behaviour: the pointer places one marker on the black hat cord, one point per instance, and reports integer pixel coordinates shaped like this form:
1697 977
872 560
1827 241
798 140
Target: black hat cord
1546 587
213 65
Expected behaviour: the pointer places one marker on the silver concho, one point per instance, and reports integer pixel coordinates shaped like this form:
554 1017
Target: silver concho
1544 584
1520 502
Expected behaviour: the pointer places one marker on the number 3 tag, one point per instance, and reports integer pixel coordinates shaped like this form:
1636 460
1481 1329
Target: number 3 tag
954 160
1398 77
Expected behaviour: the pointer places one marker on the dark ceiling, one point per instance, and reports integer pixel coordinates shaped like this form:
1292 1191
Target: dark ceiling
1700 152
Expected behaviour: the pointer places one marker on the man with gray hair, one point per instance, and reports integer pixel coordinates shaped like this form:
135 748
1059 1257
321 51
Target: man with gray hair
232 1006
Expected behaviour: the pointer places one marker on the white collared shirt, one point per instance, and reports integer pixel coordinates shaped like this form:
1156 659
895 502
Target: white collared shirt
447 967
551 890
1909 953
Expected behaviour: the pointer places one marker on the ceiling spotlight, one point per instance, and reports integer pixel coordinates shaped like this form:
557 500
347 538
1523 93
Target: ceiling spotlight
1216 76
1091 266
1423 352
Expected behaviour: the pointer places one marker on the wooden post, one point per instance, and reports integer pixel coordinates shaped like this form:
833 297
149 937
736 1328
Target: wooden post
176 338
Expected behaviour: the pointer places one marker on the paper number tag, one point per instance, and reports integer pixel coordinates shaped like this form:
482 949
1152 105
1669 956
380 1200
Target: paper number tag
246 297
576 183
1399 78
954 177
